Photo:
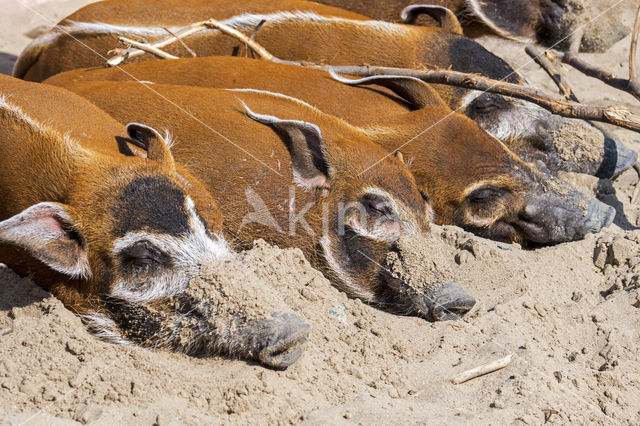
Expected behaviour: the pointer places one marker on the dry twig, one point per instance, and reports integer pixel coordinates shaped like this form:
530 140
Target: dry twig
147 48
133 52
604 75
634 73
481 370
546 62
615 115
251 44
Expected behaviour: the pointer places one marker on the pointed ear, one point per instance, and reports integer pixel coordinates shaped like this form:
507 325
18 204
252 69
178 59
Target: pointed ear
445 17
414 91
306 147
514 19
149 139
46 231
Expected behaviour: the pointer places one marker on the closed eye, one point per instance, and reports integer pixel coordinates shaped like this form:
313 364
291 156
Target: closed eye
378 205
143 256
486 194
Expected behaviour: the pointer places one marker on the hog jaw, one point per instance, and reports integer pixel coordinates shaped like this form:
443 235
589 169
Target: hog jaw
420 268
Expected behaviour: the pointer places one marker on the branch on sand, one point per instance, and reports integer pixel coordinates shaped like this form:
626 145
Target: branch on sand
547 63
481 370
616 115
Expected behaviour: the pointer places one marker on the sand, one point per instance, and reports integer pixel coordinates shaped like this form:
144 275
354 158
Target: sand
569 315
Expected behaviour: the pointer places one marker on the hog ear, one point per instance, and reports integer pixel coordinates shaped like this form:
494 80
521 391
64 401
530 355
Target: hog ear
414 91
514 19
47 232
149 139
445 17
306 147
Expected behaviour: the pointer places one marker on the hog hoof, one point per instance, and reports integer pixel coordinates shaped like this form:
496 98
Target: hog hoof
287 336
451 302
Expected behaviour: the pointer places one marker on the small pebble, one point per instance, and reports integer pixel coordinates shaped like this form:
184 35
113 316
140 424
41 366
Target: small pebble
498 403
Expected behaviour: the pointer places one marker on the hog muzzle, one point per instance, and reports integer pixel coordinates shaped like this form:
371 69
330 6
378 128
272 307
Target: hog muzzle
553 218
583 148
288 335
417 271
616 159
450 302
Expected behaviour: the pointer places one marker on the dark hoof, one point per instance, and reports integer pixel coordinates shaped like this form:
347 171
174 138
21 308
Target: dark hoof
288 337
451 302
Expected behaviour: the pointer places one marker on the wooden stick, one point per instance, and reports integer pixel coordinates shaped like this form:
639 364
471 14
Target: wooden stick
147 48
251 44
606 76
131 53
481 370
616 115
634 73
546 64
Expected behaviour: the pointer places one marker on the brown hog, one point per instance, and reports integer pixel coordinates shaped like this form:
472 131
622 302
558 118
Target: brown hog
470 178
530 131
297 178
120 239
548 22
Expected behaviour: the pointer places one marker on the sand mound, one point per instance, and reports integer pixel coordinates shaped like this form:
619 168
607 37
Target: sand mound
545 307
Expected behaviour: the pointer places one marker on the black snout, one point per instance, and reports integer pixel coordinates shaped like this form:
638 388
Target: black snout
564 215
288 334
450 302
617 159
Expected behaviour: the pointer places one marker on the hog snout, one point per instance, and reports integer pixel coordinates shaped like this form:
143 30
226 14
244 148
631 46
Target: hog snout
554 218
599 215
583 148
450 302
287 335
416 272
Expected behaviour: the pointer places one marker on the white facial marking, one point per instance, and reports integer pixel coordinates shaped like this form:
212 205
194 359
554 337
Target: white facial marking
401 210
187 254
104 328
346 282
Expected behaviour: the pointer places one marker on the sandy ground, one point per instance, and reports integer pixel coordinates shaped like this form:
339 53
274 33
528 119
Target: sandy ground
569 314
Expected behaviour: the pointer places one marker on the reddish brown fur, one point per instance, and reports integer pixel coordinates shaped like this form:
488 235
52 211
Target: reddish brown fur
390 10
517 19
37 64
451 155
228 171
41 166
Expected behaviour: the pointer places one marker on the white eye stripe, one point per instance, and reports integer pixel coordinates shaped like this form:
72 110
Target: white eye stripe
244 21
346 282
